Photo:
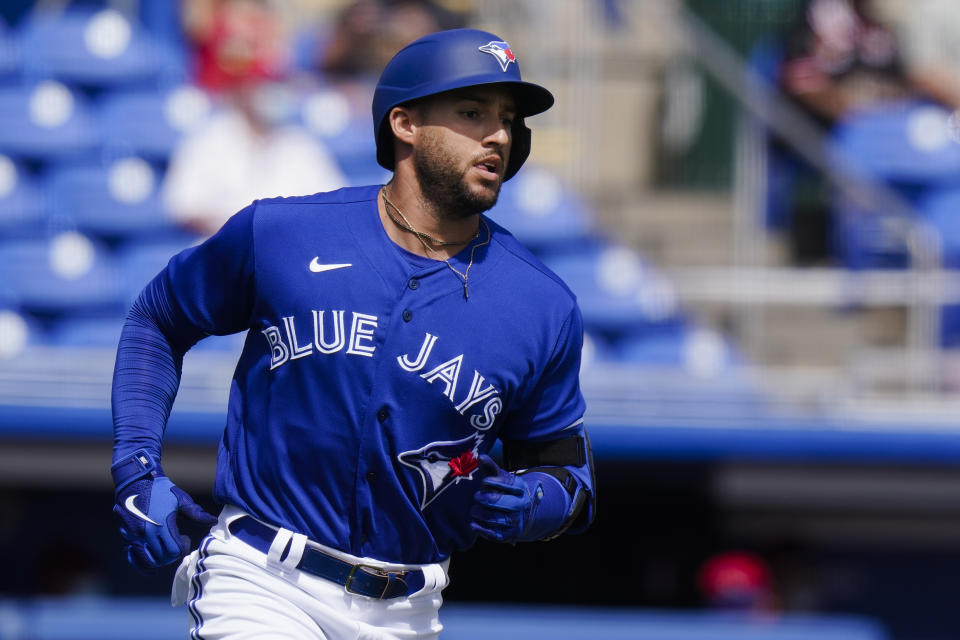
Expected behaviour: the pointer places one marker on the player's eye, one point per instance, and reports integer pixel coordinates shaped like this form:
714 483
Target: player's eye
507 122
471 114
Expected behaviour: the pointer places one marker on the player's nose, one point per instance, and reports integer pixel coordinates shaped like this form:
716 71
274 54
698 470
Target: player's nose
499 136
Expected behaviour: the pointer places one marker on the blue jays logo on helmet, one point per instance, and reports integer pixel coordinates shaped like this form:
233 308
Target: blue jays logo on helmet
501 51
443 464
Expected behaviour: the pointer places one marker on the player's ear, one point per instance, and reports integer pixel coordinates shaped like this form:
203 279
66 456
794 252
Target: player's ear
404 120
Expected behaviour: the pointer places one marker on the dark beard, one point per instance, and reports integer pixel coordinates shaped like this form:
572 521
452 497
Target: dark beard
443 188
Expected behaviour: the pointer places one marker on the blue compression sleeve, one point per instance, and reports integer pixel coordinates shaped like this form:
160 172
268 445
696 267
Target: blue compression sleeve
204 290
147 373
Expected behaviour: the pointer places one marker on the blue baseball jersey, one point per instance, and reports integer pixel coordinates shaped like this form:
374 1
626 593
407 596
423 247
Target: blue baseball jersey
368 383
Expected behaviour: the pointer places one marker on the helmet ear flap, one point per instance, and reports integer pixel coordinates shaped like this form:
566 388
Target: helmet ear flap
519 148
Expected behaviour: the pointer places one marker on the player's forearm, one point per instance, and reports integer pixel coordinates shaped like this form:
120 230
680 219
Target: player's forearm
568 462
146 377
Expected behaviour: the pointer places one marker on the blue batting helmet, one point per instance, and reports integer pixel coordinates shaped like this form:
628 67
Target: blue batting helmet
449 60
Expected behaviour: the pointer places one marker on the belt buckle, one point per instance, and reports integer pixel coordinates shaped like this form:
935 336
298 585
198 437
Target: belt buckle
377 571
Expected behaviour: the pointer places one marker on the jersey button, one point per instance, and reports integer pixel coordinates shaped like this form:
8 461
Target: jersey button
371 476
413 283
383 414
407 315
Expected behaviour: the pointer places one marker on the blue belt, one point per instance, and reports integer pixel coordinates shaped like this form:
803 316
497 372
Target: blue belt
361 579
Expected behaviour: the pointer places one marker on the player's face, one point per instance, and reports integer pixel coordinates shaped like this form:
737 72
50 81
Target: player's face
462 151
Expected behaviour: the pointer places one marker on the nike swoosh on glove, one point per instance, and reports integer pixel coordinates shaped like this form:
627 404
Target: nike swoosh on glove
147 504
517 508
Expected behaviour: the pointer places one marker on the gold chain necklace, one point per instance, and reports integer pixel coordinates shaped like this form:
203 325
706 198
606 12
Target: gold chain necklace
406 226
423 237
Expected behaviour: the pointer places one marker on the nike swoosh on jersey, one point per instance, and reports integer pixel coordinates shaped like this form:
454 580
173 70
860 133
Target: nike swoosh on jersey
132 508
316 267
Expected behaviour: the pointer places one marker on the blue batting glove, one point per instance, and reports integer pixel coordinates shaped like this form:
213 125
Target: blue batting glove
147 504
505 505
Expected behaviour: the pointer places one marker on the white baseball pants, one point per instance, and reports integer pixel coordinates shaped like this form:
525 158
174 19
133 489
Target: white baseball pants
235 592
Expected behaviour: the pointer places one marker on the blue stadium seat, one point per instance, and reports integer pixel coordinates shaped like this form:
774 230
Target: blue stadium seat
66 273
96 331
18 331
596 350
541 212
96 47
617 291
903 143
44 121
345 130
909 147
866 239
114 201
150 122
232 343
940 209
143 259
9 53
696 350
22 204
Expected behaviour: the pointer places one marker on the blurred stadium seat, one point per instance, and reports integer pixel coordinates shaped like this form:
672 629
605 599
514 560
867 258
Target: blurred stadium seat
542 212
151 122
232 343
96 331
909 147
682 345
346 131
141 260
46 120
22 204
9 53
940 209
96 47
906 144
617 291
17 332
112 201
596 351
67 273
864 238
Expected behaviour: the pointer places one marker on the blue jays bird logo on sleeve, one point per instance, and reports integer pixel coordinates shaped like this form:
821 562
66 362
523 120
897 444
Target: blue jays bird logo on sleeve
443 464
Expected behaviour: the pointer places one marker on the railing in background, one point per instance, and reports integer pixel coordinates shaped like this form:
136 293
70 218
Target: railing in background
768 111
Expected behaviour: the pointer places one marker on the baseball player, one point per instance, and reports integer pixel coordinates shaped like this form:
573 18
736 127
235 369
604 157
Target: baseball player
395 334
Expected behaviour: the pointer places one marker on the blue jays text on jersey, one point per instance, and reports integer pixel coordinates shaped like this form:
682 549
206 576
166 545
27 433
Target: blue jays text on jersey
285 346
367 386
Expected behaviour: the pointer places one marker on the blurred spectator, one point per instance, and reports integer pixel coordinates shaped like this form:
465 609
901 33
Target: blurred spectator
738 581
252 146
234 42
837 59
368 32
930 43
840 58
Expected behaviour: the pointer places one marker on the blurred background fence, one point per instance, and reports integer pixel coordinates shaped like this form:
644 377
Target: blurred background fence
754 201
